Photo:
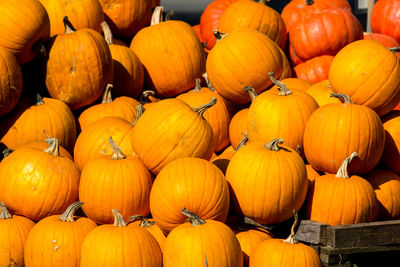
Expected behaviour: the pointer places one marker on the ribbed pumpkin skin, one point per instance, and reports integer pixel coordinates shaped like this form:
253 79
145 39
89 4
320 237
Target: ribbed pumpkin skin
391 155
170 130
254 168
109 245
127 17
81 13
386 184
229 71
369 74
335 130
384 18
13 235
321 92
191 183
338 200
254 15
79 67
160 48
10 81
37 184
309 39
28 123
275 252
275 116
155 231
20 33
53 242
218 115
122 184
314 70
93 141
249 240
384 39
189 245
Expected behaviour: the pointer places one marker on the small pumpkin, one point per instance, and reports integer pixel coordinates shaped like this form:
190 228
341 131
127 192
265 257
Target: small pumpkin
315 69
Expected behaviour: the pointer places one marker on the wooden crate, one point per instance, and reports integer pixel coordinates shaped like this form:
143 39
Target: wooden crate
337 245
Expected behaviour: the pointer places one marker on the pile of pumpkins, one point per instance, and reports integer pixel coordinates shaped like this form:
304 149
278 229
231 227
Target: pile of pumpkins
183 145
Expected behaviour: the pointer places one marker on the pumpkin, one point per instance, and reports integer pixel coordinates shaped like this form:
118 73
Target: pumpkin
193 183
128 70
25 28
257 166
56 240
386 185
123 107
127 17
369 74
309 37
152 227
45 144
170 130
171 54
79 66
284 252
147 98
384 18
321 92
218 115
311 175
202 242
120 245
257 16
93 142
222 160
10 81
122 182
273 113
384 39
391 154
33 122
38 183
196 29
315 69
334 130
229 71
82 14
343 198
15 230
295 83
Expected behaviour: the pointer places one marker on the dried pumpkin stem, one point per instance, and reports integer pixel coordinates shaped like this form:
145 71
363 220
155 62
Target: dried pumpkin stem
242 142
68 215
107 32
274 144
144 97
107 96
252 92
219 35
139 113
68 25
201 109
290 238
54 147
252 222
119 221
158 15
39 100
264 2
144 222
196 220
394 49
343 97
118 154
283 89
343 172
7 151
4 214
197 88
209 85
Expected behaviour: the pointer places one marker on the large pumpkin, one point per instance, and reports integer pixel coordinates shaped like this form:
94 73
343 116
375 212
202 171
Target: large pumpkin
193 183
79 66
369 74
334 130
384 18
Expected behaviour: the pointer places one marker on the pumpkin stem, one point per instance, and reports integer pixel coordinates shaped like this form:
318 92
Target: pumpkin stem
4 214
107 96
264 2
283 89
219 35
309 2
394 49
39 100
342 172
243 142
108 36
344 98
139 112
53 148
158 15
252 222
197 88
7 151
68 215
252 92
144 222
209 85
68 25
119 221
273 145
290 238
118 154
146 97
203 108
196 220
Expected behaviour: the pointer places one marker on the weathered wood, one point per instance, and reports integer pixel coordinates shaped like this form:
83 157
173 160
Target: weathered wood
312 232
324 250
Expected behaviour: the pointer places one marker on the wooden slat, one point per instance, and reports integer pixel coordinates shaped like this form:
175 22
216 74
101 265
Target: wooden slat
312 232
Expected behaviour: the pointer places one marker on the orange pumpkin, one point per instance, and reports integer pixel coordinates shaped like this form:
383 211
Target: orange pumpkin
296 84
384 18
315 69
45 144
391 152
321 92
79 66
384 39
152 227
57 239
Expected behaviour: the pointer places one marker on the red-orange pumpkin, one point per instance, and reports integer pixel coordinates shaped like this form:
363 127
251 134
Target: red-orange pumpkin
384 39
384 18
314 70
